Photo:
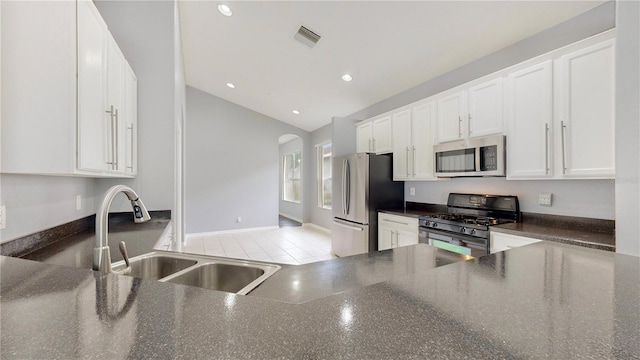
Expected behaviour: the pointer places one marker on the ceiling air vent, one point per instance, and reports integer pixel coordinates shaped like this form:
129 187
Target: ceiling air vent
307 37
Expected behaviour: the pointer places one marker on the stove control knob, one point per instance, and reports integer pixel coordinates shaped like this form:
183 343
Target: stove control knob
462 229
434 224
472 232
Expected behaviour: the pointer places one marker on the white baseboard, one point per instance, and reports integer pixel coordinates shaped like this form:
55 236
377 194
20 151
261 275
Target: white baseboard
318 227
229 231
291 217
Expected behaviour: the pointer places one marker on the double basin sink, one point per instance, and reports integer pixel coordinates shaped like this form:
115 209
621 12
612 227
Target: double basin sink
236 276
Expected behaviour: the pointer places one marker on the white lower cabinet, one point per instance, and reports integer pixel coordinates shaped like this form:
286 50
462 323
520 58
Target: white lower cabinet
395 231
501 241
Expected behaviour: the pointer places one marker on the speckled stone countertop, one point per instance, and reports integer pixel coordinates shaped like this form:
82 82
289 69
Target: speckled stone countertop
592 233
297 284
544 300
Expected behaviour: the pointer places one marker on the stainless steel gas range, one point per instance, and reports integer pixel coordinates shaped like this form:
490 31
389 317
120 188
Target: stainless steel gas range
464 229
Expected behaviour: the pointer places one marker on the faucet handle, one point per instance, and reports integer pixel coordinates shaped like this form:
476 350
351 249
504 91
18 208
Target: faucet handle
125 255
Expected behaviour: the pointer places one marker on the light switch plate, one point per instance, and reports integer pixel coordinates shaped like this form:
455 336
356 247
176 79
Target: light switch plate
544 199
412 191
3 217
78 202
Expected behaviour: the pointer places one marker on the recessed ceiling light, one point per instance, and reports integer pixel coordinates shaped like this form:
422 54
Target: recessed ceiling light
296 112
225 10
231 85
347 77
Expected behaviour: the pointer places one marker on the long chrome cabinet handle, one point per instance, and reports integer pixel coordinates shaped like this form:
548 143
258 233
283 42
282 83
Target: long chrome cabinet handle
546 148
469 123
369 145
115 147
564 162
459 127
413 163
374 144
407 161
130 127
111 136
396 222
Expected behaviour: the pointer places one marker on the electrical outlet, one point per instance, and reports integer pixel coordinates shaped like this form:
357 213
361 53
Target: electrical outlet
239 219
412 191
3 217
545 199
78 202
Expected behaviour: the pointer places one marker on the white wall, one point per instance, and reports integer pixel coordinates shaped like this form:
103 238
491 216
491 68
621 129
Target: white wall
587 198
319 215
583 198
36 203
628 128
288 208
232 165
144 30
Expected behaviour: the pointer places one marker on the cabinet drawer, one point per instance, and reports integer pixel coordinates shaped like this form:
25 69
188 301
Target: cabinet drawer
501 242
398 222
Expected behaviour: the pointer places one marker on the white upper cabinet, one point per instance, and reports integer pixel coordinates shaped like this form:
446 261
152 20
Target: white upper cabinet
92 82
375 136
413 136
485 108
61 72
451 109
586 111
471 111
528 100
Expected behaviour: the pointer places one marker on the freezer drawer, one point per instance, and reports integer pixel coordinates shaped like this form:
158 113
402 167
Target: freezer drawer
348 238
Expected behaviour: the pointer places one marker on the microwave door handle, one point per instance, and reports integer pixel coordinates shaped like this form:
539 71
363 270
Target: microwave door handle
477 149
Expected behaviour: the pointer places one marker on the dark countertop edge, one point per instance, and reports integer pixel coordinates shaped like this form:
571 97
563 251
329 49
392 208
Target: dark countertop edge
38 240
605 228
556 238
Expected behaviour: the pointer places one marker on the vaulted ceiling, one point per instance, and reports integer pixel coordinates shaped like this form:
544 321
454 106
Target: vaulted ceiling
386 46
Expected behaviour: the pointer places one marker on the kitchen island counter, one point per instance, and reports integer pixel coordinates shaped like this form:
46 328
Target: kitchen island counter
542 300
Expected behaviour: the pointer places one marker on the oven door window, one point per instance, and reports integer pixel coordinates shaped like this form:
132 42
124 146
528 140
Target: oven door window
451 247
456 161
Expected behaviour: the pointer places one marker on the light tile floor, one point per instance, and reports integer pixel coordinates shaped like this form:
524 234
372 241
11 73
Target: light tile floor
286 245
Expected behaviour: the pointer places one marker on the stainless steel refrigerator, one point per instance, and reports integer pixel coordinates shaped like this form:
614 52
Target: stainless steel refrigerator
362 184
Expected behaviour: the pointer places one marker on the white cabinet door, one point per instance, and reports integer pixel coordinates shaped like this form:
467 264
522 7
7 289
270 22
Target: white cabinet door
131 121
422 125
406 238
114 111
451 109
382 135
529 96
385 237
402 148
364 135
92 126
501 242
587 116
485 109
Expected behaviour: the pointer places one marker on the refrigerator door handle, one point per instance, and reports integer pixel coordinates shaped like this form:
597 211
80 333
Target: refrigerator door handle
352 227
344 187
347 192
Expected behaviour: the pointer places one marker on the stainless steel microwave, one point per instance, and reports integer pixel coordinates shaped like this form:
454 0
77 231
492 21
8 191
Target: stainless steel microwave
471 157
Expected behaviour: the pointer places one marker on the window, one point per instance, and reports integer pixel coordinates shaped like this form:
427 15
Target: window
324 175
291 188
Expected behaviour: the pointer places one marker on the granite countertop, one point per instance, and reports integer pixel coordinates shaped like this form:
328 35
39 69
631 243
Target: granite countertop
544 300
592 233
297 284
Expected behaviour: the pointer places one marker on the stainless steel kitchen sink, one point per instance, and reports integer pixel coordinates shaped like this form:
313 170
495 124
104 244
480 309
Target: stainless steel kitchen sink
208 272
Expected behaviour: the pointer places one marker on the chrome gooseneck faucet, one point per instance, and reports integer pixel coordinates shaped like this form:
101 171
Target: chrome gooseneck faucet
101 255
